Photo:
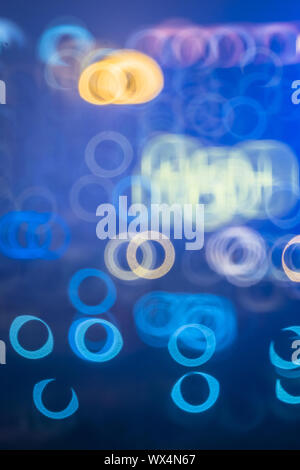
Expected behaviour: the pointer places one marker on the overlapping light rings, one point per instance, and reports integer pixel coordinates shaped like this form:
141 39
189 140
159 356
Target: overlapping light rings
112 136
229 44
48 47
10 225
111 348
156 317
141 270
123 77
102 83
104 305
287 34
214 390
222 248
192 362
182 44
237 180
111 258
159 314
291 274
215 312
14 332
277 360
38 401
191 44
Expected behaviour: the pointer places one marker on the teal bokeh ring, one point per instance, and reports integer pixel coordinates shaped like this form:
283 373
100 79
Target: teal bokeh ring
13 336
192 362
111 348
104 305
214 390
38 401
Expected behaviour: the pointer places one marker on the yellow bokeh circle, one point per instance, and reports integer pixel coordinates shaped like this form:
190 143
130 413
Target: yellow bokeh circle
292 275
140 270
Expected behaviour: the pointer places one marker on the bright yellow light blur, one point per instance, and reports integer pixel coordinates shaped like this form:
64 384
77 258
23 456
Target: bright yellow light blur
241 180
123 77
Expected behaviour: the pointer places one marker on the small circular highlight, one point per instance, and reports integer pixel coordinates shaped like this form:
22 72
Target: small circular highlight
104 305
122 142
111 348
140 270
292 275
214 390
111 258
192 362
13 336
38 401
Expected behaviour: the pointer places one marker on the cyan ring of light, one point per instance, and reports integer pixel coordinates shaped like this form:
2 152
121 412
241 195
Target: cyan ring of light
258 130
50 38
112 347
284 396
38 401
13 336
198 361
103 306
276 360
214 390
